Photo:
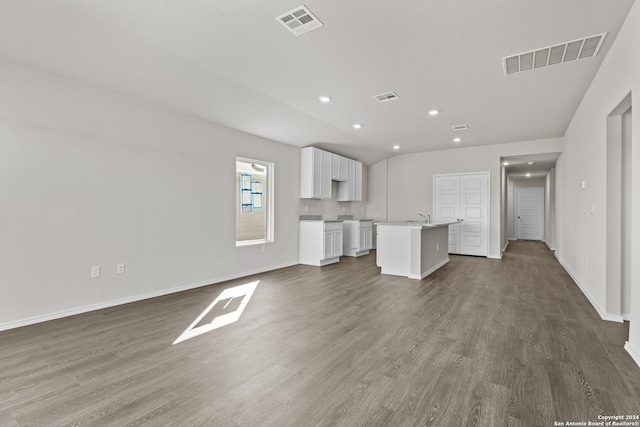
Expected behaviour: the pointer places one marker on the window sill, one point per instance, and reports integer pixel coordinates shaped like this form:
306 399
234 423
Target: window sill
252 242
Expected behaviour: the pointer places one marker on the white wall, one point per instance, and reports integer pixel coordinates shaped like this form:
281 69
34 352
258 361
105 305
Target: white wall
409 178
90 177
581 236
512 185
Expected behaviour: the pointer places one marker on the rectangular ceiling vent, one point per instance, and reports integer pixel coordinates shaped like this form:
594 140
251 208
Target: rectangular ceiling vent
299 21
460 127
584 48
386 97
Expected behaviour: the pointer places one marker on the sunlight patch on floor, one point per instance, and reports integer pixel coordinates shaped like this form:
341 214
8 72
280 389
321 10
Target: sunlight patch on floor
226 309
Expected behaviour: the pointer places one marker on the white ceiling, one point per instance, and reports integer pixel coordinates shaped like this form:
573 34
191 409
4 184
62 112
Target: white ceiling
534 165
231 62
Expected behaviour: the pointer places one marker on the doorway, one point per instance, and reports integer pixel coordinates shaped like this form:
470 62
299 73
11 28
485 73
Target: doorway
529 213
618 263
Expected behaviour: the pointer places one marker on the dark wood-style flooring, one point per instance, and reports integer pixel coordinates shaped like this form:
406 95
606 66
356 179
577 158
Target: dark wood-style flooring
480 342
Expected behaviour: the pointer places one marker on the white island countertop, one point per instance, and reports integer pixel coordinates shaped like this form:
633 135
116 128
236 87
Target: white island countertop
416 224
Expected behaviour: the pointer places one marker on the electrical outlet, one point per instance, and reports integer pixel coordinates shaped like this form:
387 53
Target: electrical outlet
95 271
437 246
585 263
120 268
264 248
592 209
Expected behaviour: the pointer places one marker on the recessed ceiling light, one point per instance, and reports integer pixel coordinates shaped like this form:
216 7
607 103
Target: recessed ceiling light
528 175
457 139
357 125
396 147
530 163
324 98
434 112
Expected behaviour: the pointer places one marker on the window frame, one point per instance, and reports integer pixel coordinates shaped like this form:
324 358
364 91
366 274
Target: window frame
268 201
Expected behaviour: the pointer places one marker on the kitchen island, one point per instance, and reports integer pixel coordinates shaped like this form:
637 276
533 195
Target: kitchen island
412 249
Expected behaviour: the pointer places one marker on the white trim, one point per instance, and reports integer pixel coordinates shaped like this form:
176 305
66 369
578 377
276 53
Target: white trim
79 310
240 243
506 245
635 354
429 271
494 256
601 312
626 317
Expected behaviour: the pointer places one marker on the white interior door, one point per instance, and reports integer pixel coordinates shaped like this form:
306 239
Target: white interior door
530 213
474 214
464 198
447 207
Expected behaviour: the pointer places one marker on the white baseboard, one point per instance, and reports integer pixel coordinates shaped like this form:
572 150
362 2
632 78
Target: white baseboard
429 271
549 246
134 298
495 256
635 354
626 317
506 245
601 312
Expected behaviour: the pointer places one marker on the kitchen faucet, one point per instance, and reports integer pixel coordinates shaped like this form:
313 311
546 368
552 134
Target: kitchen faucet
426 217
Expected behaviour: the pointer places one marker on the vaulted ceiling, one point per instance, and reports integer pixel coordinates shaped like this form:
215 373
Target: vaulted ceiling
233 63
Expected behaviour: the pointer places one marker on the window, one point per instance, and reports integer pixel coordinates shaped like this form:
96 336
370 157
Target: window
254 201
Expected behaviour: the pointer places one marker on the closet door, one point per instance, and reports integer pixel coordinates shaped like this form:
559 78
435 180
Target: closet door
464 199
474 228
447 207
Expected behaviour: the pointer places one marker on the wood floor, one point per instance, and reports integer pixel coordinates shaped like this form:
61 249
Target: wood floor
480 342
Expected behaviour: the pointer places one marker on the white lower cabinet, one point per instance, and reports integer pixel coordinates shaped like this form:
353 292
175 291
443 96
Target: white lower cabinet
320 242
358 237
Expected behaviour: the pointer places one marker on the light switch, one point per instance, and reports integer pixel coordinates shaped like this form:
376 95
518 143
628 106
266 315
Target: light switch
592 209
95 271
583 184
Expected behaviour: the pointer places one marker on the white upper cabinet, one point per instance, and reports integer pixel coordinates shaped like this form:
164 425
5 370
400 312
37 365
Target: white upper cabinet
315 173
339 168
351 190
318 168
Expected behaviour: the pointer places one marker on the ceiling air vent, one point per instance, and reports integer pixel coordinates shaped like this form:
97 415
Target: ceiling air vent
386 97
299 21
460 127
587 47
